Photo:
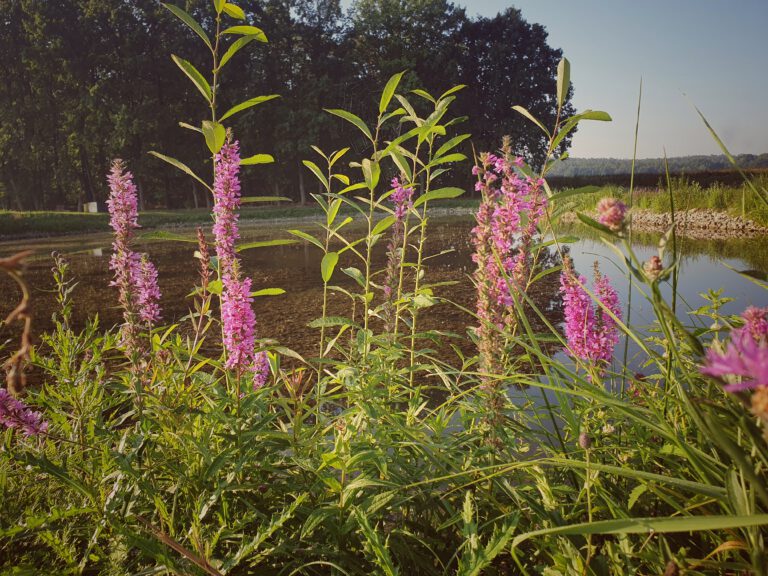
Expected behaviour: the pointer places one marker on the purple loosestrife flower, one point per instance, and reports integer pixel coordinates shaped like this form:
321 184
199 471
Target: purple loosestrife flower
653 268
135 275
15 414
502 243
402 199
226 192
147 291
611 212
746 355
238 321
590 331
260 370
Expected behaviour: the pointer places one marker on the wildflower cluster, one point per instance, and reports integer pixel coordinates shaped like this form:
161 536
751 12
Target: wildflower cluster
15 414
135 275
507 222
591 332
237 317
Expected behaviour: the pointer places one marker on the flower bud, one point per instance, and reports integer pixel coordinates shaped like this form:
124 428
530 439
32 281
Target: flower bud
611 212
653 268
585 441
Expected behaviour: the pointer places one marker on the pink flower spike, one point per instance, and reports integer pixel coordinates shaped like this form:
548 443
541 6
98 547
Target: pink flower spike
590 331
135 275
238 320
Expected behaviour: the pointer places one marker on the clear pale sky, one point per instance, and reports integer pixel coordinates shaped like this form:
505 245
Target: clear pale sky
709 53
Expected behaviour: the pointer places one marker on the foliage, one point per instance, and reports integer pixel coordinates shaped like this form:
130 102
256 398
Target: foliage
385 454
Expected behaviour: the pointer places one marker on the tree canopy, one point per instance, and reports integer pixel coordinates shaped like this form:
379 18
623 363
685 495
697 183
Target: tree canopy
88 81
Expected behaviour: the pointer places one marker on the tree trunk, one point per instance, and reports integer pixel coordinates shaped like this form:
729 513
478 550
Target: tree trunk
302 192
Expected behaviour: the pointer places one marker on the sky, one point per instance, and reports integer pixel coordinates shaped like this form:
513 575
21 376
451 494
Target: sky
710 54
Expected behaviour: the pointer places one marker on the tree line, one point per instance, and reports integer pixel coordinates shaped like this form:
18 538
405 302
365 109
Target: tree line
577 167
88 81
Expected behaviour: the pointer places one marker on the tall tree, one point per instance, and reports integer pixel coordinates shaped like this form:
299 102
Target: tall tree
506 61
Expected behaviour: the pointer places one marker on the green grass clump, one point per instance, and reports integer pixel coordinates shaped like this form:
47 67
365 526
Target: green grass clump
737 201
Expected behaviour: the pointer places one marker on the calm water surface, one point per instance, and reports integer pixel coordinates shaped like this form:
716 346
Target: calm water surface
296 269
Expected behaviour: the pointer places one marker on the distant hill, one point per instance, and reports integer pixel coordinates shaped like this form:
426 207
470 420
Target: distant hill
580 167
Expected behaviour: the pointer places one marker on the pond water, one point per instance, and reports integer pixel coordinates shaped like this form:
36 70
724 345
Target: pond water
296 269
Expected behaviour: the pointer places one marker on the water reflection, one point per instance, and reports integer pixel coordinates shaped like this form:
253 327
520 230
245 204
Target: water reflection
296 268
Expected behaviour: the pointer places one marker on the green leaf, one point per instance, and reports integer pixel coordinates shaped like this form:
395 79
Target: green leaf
371 173
424 94
355 274
218 5
455 157
328 265
574 192
257 33
452 91
452 143
268 292
257 159
190 127
254 199
389 91
349 117
524 112
401 163
638 491
571 123
424 301
331 321
649 526
333 210
235 48
180 165
189 21
169 236
215 135
318 173
247 104
307 237
595 115
594 223
563 80
337 155
215 287
265 244
379 548
234 11
197 79
438 194
382 225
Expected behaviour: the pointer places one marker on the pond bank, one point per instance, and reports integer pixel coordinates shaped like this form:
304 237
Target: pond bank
698 223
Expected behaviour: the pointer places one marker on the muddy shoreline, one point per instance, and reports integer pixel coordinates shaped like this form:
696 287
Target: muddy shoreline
697 223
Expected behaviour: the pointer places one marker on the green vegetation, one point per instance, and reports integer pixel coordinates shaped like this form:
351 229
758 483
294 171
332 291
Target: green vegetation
508 447
687 195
